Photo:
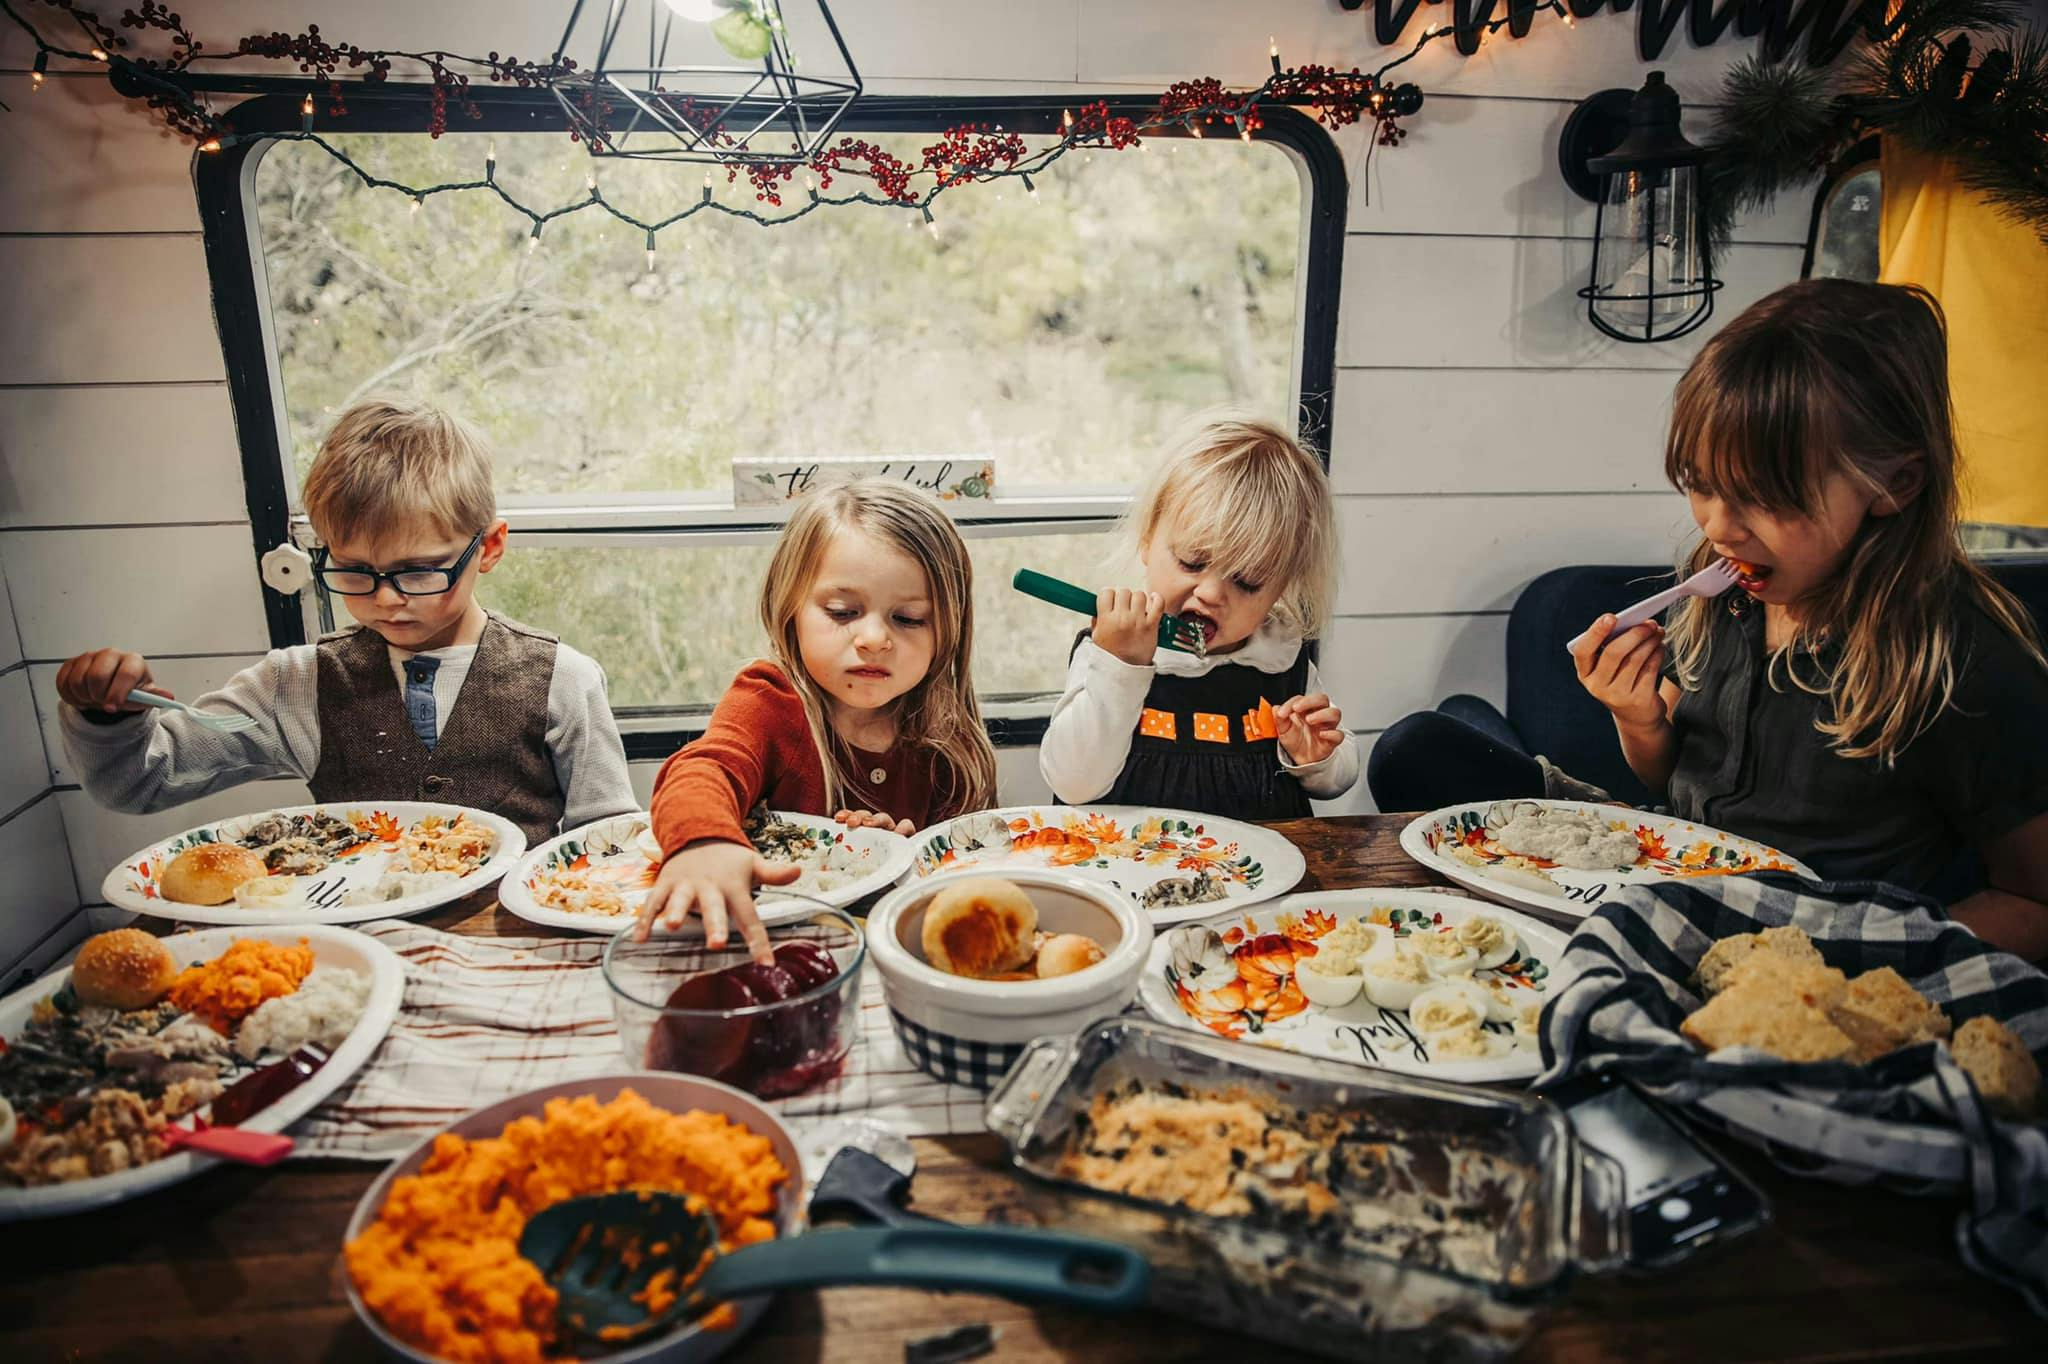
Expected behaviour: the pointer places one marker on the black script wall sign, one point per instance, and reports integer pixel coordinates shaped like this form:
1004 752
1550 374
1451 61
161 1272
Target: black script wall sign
1826 25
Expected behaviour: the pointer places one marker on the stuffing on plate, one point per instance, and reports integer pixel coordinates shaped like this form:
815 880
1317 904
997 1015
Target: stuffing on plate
456 845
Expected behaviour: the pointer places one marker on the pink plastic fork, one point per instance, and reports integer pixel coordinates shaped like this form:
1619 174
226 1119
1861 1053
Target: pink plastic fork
1710 581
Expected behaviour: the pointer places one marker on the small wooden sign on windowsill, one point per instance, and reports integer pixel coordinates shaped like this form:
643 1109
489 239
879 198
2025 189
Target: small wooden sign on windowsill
950 478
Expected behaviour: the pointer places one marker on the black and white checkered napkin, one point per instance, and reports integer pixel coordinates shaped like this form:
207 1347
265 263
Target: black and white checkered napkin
1634 960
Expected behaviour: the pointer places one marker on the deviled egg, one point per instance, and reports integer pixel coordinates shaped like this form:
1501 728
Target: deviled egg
1443 952
1393 978
1326 991
1467 1043
1493 940
1330 978
1444 1007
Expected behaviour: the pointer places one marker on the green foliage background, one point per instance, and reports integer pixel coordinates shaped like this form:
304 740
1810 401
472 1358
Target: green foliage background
1064 337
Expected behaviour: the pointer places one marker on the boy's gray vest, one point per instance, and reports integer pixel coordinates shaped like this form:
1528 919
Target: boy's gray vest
492 753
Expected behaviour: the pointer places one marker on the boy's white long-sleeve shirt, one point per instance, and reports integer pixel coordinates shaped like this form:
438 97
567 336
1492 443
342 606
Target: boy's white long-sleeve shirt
160 758
1089 736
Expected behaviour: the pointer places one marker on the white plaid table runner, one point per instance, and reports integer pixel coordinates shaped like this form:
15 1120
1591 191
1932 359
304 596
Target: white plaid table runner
487 1018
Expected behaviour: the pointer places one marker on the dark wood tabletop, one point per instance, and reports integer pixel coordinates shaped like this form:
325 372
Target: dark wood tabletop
241 1264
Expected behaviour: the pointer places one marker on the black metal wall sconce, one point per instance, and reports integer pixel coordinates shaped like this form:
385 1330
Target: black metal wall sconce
1652 276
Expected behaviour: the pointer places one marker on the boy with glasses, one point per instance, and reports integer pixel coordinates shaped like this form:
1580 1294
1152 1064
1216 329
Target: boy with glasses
429 697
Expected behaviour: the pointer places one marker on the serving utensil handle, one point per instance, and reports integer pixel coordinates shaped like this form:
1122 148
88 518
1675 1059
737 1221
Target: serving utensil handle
1042 1266
231 1143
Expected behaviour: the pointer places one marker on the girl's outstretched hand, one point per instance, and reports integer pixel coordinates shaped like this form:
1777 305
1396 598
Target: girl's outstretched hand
716 879
1624 673
1311 729
868 819
1127 624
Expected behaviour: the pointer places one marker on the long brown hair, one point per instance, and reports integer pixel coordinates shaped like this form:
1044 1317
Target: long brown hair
1826 376
940 712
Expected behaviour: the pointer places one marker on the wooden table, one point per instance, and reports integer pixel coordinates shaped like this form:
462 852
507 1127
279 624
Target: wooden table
244 1264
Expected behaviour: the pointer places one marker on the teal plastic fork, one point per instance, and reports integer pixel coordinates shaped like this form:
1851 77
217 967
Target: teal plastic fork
1174 632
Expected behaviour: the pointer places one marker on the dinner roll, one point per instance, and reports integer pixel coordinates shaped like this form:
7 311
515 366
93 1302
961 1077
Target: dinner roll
209 873
981 927
124 969
1065 953
2004 1070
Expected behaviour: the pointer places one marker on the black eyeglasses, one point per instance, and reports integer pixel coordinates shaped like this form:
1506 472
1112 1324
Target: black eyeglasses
410 582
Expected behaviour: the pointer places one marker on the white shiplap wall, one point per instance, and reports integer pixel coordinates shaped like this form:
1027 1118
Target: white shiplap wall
1483 433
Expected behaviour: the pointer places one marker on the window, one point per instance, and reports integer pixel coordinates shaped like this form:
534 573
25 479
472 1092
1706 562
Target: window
1061 335
1847 212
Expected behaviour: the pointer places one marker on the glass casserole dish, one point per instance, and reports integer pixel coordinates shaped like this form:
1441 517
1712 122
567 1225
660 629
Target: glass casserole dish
1350 1213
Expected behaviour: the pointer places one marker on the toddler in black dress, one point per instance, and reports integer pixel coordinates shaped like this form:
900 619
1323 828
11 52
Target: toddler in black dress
1236 535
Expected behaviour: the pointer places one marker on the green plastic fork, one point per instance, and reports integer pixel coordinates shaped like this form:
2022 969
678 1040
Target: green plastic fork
1174 632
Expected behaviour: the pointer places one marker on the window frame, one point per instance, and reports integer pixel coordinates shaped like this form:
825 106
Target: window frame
225 182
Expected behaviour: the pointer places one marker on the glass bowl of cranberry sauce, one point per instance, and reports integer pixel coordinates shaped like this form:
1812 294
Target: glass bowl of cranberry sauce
773 1030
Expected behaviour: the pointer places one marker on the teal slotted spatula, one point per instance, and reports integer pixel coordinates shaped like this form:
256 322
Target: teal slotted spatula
601 1253
1174 633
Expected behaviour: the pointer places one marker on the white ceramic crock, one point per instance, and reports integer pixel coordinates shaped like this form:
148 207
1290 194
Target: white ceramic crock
1010 1013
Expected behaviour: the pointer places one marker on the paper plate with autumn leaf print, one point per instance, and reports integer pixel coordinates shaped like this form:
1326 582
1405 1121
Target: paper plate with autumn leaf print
1473 1018
340 863
593 879
1175 863
1465 843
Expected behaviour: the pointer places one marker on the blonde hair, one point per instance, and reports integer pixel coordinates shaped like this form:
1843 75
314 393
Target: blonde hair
1828 376
940 712
1251 501
387 468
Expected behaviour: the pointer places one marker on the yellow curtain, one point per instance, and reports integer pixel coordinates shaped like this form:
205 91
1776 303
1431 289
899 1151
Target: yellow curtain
1991 276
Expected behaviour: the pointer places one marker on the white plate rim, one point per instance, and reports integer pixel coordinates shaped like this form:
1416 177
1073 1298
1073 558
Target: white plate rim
1524 1064
518 900
1517 897
387 992
1283 864
511 845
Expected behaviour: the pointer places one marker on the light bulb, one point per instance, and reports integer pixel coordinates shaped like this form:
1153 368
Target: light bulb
650 250
533 242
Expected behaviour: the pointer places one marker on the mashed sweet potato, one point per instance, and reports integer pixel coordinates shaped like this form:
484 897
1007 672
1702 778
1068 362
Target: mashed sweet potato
441 1266
229 988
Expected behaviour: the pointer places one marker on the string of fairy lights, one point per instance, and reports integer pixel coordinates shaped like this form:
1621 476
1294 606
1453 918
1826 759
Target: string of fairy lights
966 155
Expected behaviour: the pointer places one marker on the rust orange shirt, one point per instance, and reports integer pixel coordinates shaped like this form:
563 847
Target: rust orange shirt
758 747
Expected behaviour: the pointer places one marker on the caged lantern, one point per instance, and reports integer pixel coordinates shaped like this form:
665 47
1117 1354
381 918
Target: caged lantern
718 82
1652 277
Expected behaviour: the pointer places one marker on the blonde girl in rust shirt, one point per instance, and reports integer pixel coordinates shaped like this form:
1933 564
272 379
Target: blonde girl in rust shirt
865 711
